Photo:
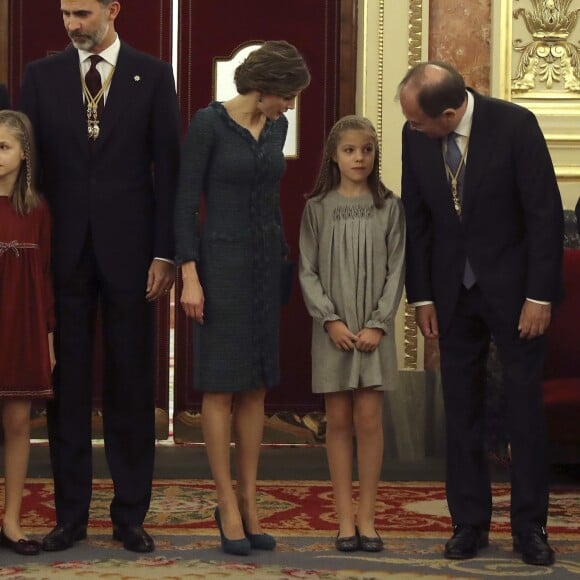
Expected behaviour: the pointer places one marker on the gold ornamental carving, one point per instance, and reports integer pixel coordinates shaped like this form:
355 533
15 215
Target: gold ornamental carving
381 45
415 31
414 57
549 57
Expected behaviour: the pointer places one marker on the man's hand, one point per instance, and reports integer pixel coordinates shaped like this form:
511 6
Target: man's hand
160 279
426 317
340 335
534 319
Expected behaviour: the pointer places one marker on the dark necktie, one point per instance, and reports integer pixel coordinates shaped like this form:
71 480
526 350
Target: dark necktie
93 81
453 159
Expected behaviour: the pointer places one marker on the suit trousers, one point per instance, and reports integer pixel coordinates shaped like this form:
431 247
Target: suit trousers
464 349
128 393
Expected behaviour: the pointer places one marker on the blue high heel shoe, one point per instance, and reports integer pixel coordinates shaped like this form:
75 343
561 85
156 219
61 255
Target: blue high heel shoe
236 547
259 541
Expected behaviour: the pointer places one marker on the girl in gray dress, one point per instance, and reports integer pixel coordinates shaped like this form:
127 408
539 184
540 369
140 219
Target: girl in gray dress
352 242
231 271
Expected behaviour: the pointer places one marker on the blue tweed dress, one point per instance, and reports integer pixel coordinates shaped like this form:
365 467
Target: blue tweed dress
238 248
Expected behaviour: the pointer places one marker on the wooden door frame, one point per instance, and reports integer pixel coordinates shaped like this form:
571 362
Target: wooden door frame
348 56
4 41
347 52
342 61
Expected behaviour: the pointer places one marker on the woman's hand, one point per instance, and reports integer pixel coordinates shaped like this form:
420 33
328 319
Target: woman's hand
192 298
368 339
340 335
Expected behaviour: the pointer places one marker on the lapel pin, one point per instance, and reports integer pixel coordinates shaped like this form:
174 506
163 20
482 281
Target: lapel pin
136 78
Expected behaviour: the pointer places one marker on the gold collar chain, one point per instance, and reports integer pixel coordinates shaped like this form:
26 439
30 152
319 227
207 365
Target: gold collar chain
454 177
93 128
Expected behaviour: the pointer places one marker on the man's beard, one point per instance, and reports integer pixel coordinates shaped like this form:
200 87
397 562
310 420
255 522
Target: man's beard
88 42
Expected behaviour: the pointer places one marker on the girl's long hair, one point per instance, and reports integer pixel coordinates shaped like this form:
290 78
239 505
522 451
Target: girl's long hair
329 176
23 196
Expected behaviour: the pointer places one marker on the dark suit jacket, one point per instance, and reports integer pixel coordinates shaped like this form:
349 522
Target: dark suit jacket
122 187
4 98
512 218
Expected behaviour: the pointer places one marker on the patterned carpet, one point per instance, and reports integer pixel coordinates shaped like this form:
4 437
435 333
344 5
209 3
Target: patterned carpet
411 517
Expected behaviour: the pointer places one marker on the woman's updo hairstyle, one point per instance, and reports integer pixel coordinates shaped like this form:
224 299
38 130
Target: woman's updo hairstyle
276 68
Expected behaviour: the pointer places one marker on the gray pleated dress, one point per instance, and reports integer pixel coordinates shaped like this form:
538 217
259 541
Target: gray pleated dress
352 269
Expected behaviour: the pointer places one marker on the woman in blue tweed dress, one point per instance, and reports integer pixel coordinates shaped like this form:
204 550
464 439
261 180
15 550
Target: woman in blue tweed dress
231 271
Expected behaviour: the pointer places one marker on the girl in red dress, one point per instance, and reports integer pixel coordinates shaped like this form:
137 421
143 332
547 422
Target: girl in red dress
26 314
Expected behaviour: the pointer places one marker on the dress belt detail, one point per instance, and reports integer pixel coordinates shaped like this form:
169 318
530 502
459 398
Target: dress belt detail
15 246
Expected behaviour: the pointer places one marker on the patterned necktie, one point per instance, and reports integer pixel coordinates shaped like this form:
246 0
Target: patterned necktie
93 81
453 158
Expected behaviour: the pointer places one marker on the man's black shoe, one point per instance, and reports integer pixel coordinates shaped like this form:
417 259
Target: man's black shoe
534 548
63 536
134 538
465 542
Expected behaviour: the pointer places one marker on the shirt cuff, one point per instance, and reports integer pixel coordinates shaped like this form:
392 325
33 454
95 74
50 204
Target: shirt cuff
538 301
165 260
421 303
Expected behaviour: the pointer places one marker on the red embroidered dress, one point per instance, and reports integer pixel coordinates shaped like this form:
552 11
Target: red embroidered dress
26 302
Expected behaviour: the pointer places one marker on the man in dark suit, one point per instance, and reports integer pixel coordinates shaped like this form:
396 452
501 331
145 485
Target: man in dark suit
109 173
484 260
4 98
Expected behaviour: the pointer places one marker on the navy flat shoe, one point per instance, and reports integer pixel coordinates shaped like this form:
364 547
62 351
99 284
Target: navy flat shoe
347 543
371 543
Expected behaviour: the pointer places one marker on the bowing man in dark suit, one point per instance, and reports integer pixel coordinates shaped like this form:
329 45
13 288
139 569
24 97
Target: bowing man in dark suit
483 261
109 174
4 98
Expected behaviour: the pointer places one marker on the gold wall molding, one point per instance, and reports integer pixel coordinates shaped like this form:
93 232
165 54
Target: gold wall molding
415 55
547 56
569 173
416 37
380 73
536 64
392 35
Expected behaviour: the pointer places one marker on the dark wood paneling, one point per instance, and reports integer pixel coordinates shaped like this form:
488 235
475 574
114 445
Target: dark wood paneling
4 41
35 31
325 33
347 58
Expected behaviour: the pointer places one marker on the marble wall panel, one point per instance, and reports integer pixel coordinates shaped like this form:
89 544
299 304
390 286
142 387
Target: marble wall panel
459 33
